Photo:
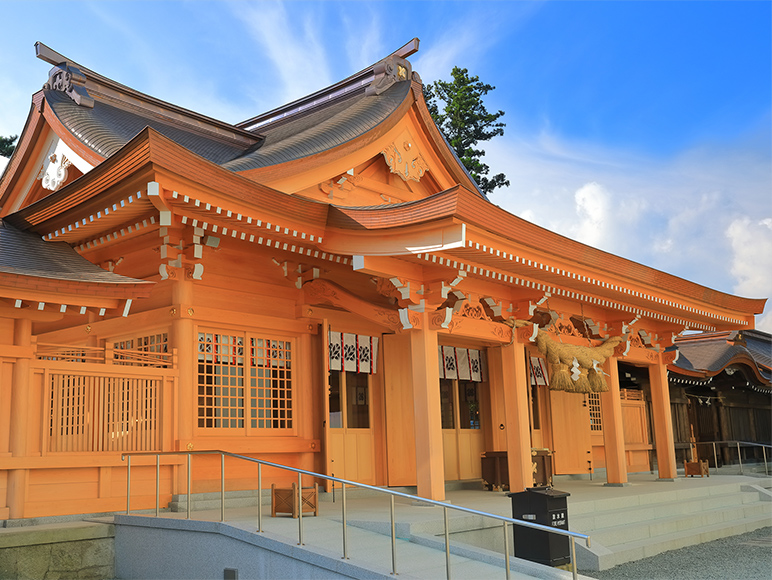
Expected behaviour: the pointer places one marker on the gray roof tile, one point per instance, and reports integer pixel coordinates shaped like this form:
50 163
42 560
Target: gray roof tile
107 128
26 254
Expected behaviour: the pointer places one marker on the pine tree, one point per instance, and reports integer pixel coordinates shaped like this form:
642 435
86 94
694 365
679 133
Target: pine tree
7 145
465 121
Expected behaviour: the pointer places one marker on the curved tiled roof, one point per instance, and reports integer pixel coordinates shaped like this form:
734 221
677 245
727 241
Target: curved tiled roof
26 254
714 353
322 128
106 128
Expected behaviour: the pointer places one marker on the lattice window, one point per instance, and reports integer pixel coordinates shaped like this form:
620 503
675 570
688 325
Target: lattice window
69 405
595 418
220 380
98 413
631 394
155 343
270 383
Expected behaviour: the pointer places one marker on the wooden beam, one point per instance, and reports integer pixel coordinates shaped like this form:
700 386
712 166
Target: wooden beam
322 291
385 267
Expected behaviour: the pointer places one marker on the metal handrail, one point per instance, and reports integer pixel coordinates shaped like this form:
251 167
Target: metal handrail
763 446
344 482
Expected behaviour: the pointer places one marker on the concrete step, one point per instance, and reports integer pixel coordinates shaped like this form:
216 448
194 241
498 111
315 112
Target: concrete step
646 525
646 500
656 511
621 534
601 557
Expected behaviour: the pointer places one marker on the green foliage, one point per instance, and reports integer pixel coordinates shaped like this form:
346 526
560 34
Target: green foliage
7 145
465 122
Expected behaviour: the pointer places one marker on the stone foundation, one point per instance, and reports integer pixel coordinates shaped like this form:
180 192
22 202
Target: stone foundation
57 551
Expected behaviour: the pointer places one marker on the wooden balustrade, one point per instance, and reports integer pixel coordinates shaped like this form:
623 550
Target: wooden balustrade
106 355
93 404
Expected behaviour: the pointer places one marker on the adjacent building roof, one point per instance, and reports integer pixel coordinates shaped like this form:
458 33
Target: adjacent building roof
707 355
25 254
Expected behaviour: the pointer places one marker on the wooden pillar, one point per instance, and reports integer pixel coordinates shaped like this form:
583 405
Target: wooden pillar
20 411
184 340
430 468
663 423
507 367
613 428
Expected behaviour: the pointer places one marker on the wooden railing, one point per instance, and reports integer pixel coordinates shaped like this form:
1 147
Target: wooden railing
105 355
104 399
103 413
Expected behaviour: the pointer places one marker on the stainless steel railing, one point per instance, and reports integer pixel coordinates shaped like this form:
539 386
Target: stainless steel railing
505 521
736 445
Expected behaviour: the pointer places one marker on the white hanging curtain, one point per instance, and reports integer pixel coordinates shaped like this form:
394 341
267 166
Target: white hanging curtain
539 371
356 353
465 364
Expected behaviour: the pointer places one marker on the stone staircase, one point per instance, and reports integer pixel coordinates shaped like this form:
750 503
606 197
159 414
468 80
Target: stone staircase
629 528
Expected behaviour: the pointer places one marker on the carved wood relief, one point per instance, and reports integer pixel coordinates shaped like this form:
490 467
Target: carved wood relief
404 158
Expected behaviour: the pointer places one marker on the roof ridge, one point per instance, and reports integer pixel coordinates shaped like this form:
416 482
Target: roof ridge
54 58
351 83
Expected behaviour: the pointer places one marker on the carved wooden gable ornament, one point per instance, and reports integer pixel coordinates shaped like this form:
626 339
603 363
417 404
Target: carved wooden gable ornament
403 158
69 80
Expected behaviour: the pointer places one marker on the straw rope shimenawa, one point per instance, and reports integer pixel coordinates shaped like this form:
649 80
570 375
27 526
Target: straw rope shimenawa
574 368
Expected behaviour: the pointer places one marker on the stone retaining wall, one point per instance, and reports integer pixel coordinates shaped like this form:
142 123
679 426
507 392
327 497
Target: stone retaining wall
57 551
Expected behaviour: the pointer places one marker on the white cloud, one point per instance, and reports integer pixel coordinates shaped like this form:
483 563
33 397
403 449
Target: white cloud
751 242
669 214
292 44
592 210
764 321
364 40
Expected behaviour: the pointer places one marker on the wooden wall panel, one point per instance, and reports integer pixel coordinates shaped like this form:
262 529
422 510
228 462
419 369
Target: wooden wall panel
400 422
6 379
572 451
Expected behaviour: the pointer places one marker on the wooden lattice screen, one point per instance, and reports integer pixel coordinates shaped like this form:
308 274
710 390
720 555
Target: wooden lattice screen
98 413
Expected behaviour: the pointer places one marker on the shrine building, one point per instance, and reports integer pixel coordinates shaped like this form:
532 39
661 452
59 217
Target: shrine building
322 286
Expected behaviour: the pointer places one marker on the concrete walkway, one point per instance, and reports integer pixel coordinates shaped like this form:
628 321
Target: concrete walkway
368 519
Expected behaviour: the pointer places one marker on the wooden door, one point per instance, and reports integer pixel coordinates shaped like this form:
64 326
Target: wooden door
636 430
400 415
462 435
571 440
351 450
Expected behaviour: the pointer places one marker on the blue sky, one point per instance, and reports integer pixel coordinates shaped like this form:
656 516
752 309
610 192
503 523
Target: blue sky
642 128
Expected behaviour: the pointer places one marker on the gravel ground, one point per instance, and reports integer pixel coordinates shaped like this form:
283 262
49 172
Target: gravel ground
744 557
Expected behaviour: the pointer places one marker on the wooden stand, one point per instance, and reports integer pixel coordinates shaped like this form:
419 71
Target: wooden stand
495 471
542 467
695 466
285 500
699 467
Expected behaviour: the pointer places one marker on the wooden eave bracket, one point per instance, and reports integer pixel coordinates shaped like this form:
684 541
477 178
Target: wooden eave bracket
158 201
321 291
298 273
47 310
180 248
